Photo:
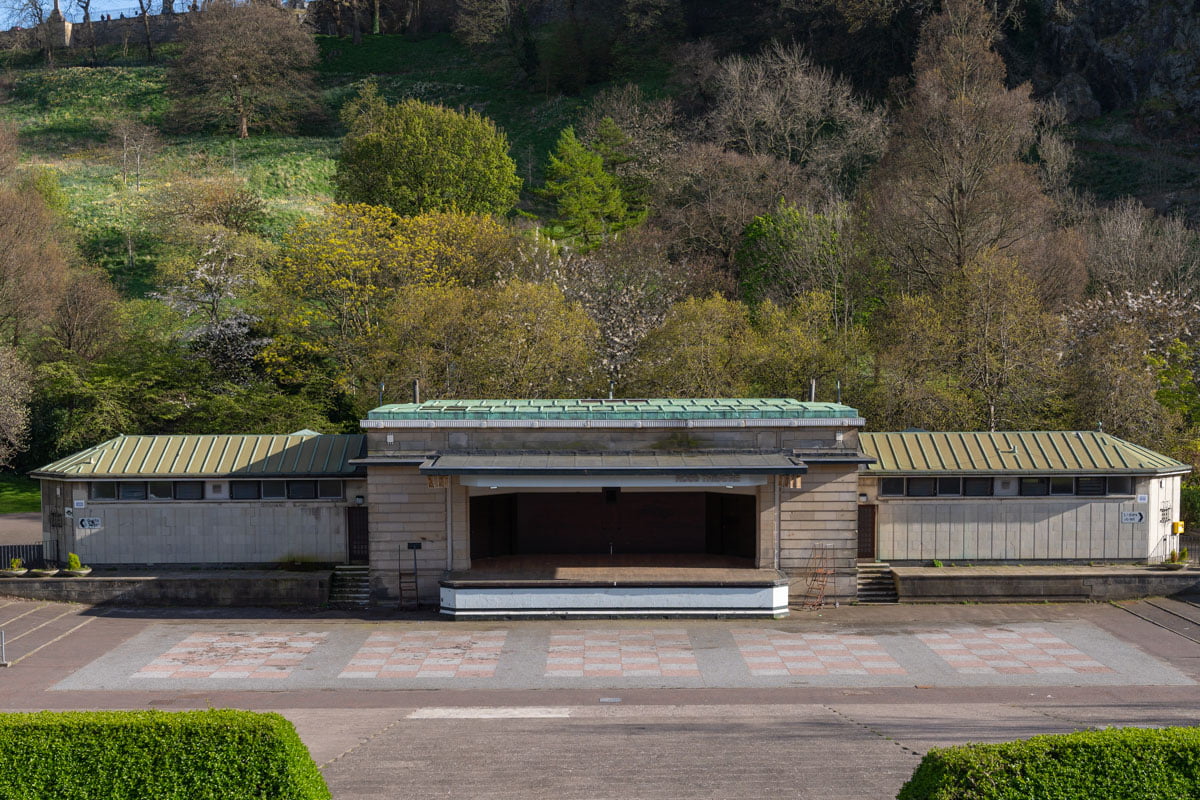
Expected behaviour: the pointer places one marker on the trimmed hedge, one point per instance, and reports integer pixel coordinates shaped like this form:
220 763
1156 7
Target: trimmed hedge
138 755
1113 764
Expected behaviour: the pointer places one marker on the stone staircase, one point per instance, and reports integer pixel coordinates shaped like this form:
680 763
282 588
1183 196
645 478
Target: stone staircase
875 583
350 586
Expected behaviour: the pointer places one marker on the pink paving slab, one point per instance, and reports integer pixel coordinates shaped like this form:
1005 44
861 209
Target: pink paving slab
768 653
620 653
1009 651
427 654
233 655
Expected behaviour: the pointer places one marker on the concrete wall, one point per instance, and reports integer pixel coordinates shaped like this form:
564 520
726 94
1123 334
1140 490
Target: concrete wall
427 440
225 588
200 532
409 507
1023 528
821 515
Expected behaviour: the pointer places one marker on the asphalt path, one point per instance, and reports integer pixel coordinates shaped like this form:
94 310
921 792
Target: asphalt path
725 734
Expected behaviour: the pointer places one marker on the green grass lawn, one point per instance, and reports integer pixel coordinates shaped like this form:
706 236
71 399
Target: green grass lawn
18 494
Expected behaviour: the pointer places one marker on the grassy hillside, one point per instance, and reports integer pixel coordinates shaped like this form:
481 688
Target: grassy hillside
66 113
65 116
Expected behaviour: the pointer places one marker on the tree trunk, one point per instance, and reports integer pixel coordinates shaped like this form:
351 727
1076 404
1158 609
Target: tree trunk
146 30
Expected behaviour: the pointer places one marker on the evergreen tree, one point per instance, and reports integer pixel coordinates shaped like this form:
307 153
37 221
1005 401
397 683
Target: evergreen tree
588 199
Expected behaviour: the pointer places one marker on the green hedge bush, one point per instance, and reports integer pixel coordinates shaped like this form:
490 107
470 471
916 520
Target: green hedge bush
1113 764
138 755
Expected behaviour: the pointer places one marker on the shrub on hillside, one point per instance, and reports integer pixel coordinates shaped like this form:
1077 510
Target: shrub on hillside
1115 764
132 755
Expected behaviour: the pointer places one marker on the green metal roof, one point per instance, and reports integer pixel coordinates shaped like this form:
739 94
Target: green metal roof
648 409
1040 452
632 463
206 456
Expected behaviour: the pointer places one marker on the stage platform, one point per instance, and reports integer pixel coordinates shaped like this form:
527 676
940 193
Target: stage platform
642 585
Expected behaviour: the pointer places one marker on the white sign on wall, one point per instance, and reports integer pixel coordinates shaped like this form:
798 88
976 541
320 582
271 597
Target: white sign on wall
1132 517
90 523
80 503
1143 498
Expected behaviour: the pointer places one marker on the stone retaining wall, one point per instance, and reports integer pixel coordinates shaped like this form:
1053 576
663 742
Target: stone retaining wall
232 588
931 585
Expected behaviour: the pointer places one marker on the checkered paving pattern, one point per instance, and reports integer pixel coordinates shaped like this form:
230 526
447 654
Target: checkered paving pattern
621 654
233 655
774 653
1004 651
427 654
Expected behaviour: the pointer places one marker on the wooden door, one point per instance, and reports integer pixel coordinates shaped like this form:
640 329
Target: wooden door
358 541
866 532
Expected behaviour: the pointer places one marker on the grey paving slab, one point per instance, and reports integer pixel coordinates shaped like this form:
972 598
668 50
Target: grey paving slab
523 662
805 752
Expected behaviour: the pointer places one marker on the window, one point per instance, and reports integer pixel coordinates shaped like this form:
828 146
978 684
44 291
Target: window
133 491
274 490
891 487
1061 485
1035 487
329 490
1120 484
103 490
1090 487
160 490
977 487
949 486
922 487
244 490
189 490
302 490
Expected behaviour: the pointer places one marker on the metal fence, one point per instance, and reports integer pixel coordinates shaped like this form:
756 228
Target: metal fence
31 555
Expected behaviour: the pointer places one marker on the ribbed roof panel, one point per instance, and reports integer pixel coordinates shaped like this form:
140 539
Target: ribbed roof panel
1011 452
204 456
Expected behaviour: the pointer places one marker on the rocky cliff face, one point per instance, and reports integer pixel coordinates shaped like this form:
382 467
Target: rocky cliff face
1098 56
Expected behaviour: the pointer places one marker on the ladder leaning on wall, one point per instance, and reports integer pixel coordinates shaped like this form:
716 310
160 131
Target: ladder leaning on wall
816 577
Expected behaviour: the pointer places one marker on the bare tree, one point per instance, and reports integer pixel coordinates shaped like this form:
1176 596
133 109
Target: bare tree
85 8
9 149
32 264
1129 246
481 22
247 65
14 404
954 183
134 144
780 103
84 322
144 13
706 196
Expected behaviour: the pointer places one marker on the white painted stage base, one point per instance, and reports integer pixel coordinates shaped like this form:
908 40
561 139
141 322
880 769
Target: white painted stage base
617 601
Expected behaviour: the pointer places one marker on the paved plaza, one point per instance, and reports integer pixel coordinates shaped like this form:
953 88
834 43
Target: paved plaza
838 703
443 655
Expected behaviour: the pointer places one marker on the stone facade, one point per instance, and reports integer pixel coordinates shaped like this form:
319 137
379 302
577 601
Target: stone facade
803 513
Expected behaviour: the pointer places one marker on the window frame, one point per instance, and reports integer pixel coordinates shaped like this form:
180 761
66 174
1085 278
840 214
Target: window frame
888 484
294 488
921 481
257 485
178 484
1108 485
92 495
262 490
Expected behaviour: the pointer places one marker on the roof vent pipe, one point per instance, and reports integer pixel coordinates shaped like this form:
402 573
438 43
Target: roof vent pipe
812 390
416 392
